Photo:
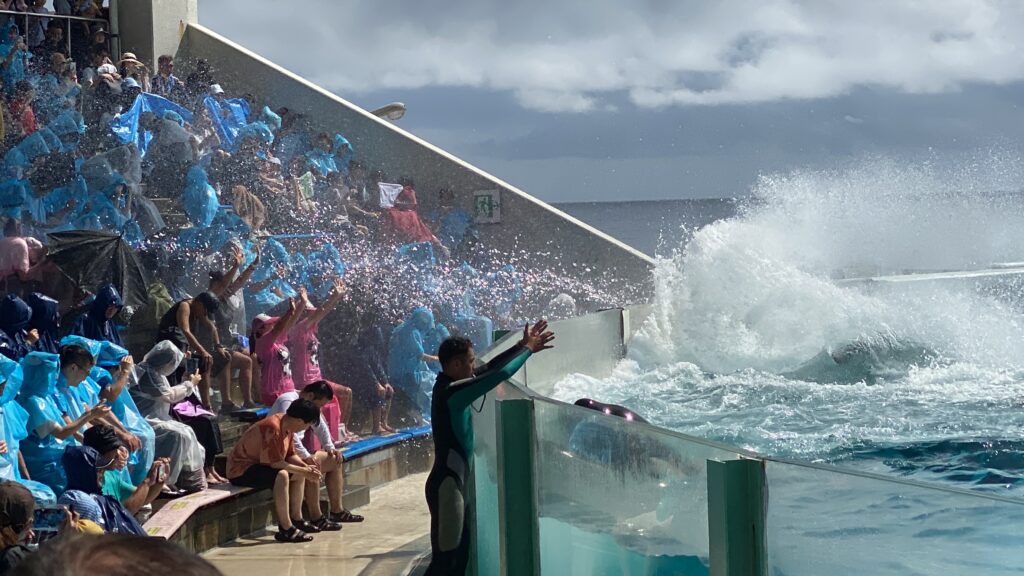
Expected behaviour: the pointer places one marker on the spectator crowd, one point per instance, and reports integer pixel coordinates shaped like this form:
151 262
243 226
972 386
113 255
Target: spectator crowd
253 234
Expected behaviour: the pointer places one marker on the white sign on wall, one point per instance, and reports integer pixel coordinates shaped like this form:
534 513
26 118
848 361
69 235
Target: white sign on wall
487 206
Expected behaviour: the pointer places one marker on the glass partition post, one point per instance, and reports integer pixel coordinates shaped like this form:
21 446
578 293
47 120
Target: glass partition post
736 517
517 506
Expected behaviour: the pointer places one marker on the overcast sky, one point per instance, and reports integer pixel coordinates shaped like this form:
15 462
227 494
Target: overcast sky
580 100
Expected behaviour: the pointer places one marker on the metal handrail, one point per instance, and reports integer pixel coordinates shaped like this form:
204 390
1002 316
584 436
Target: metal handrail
67 19
55 16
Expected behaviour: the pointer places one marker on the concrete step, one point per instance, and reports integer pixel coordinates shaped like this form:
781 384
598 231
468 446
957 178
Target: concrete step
248 514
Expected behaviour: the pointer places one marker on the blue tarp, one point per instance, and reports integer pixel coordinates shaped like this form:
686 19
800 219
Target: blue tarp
126 125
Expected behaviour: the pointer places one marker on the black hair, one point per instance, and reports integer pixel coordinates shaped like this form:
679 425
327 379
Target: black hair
75 354
304 410
320 389
12 227
102 438
114 555
217 275
406 181
452 348
209 301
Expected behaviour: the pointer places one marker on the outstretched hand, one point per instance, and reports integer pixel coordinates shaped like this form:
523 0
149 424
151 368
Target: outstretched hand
538 337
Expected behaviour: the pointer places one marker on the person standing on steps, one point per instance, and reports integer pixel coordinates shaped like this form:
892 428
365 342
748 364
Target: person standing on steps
458 385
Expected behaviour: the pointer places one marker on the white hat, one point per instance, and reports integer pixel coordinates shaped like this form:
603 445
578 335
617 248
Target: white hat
216 89
106 69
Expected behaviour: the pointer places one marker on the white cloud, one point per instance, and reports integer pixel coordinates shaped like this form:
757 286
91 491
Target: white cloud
573 54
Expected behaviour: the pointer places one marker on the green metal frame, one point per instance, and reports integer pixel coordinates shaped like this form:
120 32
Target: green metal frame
737 494
517 504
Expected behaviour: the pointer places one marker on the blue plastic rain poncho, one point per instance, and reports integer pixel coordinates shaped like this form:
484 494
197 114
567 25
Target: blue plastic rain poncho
258 131
419 264
228 116
321 267
123 406
274 255
14 194
343 153
452 226
45 320
94 324
14 429
75 400
31 148
321 161
68 126
199 199
41 449
14 318
408 370
82 472
464 317
226 227
19 64
432 339
126 125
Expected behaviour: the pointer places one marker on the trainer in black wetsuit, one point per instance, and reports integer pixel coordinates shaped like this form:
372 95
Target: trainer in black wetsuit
454 392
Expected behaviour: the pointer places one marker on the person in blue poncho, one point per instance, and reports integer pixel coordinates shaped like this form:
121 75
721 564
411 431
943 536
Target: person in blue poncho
408 358
15 339
48 432
14 429
114 368
321 158
343 153
97 323
83 465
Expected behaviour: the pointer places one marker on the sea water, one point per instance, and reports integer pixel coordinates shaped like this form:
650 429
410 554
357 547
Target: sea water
753 341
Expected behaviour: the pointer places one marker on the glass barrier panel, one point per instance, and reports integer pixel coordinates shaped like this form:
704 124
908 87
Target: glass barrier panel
830 522
487 546
618 497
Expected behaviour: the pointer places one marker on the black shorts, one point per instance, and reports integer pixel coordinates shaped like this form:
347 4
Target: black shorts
258 476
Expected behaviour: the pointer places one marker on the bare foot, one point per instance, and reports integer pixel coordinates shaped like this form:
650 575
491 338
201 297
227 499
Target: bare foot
379 431
213 480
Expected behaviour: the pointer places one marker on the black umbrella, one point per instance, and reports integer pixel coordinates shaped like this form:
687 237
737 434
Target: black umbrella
93 258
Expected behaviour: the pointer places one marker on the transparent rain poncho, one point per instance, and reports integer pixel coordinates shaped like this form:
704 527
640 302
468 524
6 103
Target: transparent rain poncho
407 368
42 450
14 428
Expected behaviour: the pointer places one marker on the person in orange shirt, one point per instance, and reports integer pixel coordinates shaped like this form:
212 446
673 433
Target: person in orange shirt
265 458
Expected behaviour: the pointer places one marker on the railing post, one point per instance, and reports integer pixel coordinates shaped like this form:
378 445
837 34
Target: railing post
737 498
517 504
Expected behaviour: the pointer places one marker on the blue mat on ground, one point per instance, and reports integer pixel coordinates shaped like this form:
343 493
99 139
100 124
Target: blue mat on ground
252 415
373 443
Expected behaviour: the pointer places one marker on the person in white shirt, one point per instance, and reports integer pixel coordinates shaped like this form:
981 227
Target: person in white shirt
328 460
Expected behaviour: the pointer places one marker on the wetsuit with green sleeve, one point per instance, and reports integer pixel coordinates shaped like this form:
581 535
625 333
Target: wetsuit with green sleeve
450 509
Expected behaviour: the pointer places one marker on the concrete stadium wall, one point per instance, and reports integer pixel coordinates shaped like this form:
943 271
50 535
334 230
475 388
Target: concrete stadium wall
554 238
150 28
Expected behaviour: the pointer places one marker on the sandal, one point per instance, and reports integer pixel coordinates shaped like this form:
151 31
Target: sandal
292 534
305 526
345 516
228 408
325 524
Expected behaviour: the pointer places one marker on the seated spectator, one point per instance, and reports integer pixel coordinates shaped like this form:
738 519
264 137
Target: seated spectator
45 321
165 83
54 43
328 460
16 340
76 396
17 508
454 225
408 357
305 347
37 27
22 114
402 224
154 397
265 458
98 322
187 316
13 429
227 287
86 480
268 342
131 67
49 431
110 467
114 369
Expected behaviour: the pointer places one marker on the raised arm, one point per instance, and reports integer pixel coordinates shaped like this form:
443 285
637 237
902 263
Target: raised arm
296 306
243 279
535 339
338 292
